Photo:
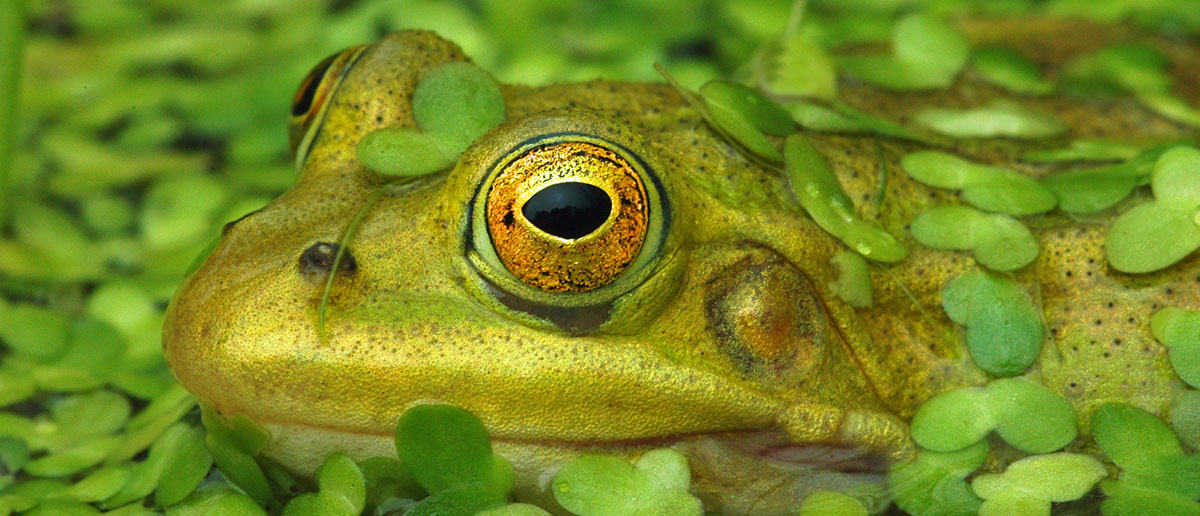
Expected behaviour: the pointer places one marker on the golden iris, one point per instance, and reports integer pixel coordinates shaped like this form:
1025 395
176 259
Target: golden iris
567 217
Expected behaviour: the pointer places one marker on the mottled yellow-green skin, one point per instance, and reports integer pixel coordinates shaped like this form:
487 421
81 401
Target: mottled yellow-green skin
729 345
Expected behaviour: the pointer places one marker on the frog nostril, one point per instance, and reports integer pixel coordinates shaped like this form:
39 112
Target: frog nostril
317 260
568 210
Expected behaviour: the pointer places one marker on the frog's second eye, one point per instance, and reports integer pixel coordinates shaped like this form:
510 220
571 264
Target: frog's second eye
311 99
567 217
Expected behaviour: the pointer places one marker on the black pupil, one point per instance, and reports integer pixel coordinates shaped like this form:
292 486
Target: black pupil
568 210
304 100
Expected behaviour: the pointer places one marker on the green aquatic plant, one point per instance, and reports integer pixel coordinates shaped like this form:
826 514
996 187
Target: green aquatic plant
996 119
854 280
997 241
1024 413
927 53
1155 472
454 104
1029 485
934 483
1003 328
597 485
986 187
821 195
1011 70
1158 233
1179 331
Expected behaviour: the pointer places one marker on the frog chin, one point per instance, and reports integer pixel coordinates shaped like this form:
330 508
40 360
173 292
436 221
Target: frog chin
737 473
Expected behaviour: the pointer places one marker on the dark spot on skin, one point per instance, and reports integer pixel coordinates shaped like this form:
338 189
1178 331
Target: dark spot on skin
508 219
318 259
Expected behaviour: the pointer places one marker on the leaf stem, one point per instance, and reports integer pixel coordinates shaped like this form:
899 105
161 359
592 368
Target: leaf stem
351 230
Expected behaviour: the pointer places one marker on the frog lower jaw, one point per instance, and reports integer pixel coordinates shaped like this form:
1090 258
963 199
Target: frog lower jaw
737 473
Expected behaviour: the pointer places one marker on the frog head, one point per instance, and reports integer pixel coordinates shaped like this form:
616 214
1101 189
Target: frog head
601 273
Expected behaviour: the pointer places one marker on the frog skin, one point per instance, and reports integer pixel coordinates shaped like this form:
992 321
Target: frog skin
719 335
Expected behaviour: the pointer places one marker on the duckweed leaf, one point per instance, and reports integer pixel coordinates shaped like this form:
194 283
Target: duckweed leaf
815 117
668 468
340 490
998 119
403 152
831 503
1085 150
1131 437
879 125
35 332
1031 417
983 186
801 68
1171 107
927 53
101 484
1030 484
1179 330
854 281
1185 418
515 509
1091 190
932 484
1003 329
1116 68
821 195
1125 499
461 500
1158 233
454 104
999 241
445 446
745 115
952 420
1011 70
387 477
225 502
599 485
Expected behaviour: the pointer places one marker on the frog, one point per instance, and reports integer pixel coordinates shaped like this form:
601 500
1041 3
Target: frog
605 272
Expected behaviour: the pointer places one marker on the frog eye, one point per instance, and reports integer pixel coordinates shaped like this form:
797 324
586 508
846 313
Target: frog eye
311 99
567 216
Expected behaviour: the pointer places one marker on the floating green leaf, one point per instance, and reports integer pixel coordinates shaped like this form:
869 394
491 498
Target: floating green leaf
1156 234
1024 413
745 114
1179 330
983 186
1085 150
927 53
225 502
933 483
1029 416
1095 189
800 68
1003 329
821 195
998 241
815 117
854 280
341 490
1125 499
598 485
387 477
1132 437
1185 418
997 119
446 447
1029 485
1172 107
1117 68
953 420
515 509
1011 70
454 104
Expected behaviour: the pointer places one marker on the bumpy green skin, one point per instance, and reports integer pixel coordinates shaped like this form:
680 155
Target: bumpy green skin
733 347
